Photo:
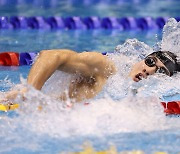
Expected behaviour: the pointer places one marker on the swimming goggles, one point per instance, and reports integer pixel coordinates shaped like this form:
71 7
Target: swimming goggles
151 62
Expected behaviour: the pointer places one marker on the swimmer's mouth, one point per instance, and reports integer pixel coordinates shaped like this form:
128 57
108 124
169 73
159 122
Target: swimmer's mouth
138 77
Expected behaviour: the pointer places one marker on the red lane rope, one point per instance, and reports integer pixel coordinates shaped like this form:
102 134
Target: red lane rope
9 59
172 107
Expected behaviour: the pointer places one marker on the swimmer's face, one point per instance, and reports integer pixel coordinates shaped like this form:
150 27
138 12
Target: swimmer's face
146 67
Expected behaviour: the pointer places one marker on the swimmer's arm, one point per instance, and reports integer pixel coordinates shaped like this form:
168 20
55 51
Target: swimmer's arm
46 64
85 63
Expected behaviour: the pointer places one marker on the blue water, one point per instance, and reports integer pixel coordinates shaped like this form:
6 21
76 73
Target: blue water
13 74
167 141
23 138
78 40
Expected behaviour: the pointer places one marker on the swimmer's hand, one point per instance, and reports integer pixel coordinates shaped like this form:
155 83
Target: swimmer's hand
11 95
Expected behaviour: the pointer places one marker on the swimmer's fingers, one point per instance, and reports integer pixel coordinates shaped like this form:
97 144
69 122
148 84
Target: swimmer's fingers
3 100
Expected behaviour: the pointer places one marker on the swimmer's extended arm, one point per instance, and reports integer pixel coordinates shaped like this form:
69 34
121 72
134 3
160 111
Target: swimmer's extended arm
85 64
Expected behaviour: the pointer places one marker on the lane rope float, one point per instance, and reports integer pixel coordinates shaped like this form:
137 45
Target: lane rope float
8 107
172 107
17 59
9 59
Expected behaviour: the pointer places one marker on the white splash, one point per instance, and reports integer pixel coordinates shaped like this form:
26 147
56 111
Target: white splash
135 48
171 37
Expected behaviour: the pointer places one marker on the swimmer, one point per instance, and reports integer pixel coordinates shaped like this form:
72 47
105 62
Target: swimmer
92 69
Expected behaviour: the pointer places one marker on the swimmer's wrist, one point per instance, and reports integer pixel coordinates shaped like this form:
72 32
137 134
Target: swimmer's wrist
13 94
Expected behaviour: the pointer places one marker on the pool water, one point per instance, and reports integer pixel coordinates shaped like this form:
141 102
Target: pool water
78 40
125 114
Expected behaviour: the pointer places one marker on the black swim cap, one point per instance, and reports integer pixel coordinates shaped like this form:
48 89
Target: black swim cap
169 60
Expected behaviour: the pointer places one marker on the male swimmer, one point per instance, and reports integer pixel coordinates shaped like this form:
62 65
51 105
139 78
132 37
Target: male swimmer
92 69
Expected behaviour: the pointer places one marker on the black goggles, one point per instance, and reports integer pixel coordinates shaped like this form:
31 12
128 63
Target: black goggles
151 62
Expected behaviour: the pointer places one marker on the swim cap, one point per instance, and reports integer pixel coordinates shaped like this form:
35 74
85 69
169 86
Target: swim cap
178 64
169 60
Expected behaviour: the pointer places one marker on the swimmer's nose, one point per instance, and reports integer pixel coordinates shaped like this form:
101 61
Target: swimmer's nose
145 73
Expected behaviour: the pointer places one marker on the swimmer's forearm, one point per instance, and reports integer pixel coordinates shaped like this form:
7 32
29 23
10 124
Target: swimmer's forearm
11 95
44 66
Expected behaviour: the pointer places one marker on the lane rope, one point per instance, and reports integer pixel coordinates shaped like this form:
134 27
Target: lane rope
10 58
17 59
84 23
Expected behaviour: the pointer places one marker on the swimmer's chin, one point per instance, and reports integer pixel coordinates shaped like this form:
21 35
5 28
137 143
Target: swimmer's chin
136 79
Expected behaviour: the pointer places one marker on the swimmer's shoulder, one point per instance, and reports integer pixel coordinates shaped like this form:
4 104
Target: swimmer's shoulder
99 61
